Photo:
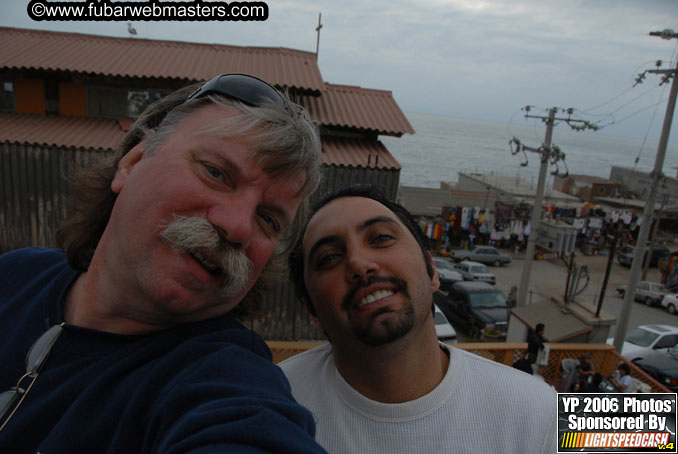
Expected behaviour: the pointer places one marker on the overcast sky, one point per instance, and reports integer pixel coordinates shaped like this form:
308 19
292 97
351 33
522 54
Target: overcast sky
478 59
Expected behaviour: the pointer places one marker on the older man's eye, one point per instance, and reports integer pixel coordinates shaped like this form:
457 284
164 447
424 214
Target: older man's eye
214 172
271 222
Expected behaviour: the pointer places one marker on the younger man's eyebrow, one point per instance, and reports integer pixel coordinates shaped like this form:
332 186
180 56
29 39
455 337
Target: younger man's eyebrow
322 241
376 220
361 227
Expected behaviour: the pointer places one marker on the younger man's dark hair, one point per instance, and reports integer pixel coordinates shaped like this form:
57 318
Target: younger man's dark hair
296 258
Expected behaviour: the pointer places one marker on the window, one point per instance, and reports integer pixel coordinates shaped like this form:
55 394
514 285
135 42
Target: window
666 342
117 102
138 100
7 97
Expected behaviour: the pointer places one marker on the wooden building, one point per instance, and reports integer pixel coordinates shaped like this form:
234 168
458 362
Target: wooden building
66 98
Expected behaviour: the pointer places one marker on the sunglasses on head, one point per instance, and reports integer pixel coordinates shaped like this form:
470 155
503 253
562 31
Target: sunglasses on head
247 89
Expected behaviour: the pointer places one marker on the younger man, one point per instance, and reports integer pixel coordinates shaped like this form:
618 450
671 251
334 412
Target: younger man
384 383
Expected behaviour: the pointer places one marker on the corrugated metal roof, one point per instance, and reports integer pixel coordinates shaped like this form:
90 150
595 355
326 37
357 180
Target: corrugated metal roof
133 57
106 134
61 131
357 153
356 107
337 105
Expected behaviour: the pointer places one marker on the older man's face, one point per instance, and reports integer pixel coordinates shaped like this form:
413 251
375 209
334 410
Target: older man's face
200 177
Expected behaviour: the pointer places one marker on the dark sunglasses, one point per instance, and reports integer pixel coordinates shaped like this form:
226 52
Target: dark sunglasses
35 360
247 89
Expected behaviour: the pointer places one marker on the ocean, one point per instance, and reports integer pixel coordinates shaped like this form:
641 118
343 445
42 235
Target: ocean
444 146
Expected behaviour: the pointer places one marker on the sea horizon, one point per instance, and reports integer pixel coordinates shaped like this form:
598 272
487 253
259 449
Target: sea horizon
444 146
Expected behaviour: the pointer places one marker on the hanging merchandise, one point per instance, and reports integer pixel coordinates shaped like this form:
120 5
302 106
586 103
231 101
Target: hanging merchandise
626 217
466 216
579 224
437 231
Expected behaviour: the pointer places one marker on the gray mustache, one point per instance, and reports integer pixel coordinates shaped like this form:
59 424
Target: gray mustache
199 238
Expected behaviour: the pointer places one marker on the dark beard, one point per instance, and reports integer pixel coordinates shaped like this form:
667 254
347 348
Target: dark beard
387 330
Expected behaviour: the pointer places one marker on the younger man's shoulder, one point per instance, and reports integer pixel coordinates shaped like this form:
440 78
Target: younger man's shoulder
308 360
483 369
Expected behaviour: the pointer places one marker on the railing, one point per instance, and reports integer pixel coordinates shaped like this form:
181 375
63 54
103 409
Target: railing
604 357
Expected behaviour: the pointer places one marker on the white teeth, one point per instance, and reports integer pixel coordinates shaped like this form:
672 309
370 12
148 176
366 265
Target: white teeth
372 297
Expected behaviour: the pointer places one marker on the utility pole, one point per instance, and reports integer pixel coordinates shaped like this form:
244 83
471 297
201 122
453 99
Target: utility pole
536 209
547 153
641 244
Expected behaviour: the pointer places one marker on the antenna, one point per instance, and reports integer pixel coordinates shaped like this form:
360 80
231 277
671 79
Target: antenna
317 29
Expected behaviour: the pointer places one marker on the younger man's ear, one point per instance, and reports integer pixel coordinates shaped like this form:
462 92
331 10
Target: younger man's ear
312 314
435 279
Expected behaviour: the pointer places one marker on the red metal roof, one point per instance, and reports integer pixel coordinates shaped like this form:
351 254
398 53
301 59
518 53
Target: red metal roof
61 131
100 133
357 153
356 107
133 57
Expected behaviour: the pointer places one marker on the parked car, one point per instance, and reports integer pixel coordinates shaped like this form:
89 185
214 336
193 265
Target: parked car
648 341
663 368
474 271
625 256
650 293
670 302
444 328
478 308
483 254
448 275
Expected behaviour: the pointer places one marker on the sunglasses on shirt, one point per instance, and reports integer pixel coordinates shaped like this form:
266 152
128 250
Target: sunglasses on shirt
35 360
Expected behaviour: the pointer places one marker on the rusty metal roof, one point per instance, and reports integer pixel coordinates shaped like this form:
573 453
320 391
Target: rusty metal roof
97 133
357 153
338 105
356 107
100 133
145 58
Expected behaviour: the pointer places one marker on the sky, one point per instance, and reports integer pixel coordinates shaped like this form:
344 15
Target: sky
477 59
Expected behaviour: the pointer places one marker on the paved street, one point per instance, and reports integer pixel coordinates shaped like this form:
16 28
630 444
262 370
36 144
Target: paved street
548 278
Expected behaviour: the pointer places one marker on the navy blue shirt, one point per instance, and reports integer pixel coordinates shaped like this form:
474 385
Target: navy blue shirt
201 387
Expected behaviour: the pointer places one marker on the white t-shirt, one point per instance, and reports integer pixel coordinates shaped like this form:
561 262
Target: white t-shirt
625 380
480 406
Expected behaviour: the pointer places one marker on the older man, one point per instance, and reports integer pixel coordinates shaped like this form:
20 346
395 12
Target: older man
384 383
179 234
